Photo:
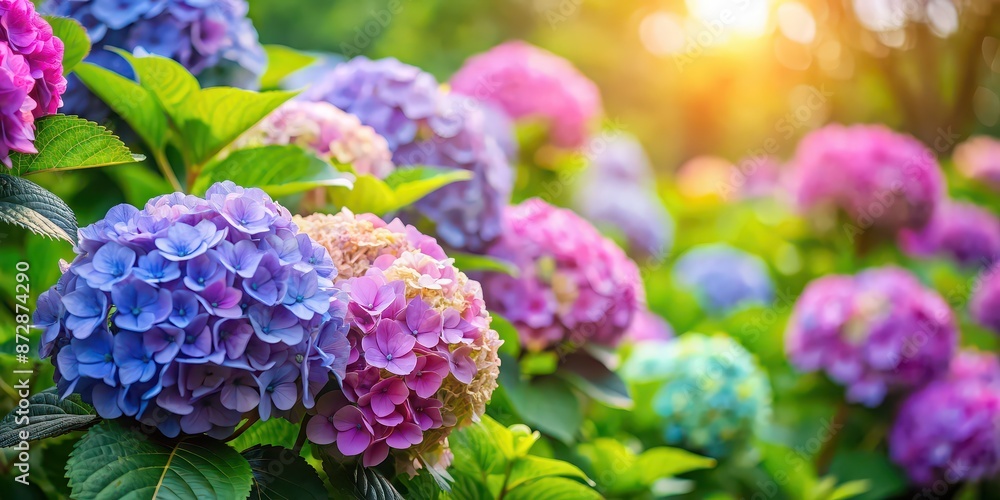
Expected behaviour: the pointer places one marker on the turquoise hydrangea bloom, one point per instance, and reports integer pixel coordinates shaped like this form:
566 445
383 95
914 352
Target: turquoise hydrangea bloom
706 393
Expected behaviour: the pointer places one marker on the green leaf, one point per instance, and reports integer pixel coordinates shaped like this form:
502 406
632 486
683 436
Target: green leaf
546 403
885 478
75 41
281 473
213 118
278 170
508 333
403 187
359 482
69 143
134 103
281 62
467 262
26 204
139 182
552 488
275 431
659 462
531 467
595 379
168 81
476 449
112 461
47 416
850 489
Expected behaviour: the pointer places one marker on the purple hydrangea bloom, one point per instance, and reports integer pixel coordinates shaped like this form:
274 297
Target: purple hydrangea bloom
618 193
574 285
984 305
214 40
154 318
880 179
31 79
527 82
724 278
874 332
648 326
948 430
424 126
964 232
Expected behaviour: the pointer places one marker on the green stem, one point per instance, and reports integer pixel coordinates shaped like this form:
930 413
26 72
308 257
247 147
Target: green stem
506 479
243 428
168 171
301 439
829 449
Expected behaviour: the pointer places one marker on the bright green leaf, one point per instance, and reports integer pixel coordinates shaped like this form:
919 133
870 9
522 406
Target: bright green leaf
278 170
476 449
26 204
530 467
69 143
75 41
552 488
275 431
280 473
467 262
135 104
592 377
113 462
281 62
403 187
523 438
508 333
139 182
545 403
850 489
48 416
171 84
656 463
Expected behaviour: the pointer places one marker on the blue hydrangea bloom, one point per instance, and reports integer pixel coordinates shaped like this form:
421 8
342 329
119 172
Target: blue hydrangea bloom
192 312
425 126
724 278
708 393
214 40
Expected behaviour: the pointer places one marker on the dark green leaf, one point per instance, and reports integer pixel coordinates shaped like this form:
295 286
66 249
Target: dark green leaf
113 462
75 41
280 473
135 104
26 204
546 403
46 416
595 379
552 488
279 170
69 143
467 262
886 480
359 482
281 62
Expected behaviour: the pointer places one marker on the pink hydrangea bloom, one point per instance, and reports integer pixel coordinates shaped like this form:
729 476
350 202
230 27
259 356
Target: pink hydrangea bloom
964 232
331 133
984 305
528 82
574 285
979 159
31 80
880 179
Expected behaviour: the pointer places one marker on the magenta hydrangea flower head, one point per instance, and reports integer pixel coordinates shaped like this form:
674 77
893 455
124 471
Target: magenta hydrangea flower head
617 193
948 430
984 305
31 79
332 134
425 126
647 325
423 359
878 178
874 332
979 159
527 82
194 313
574 285
964 232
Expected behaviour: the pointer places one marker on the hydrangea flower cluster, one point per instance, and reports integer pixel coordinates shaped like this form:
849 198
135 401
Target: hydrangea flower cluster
708 392
31 75
194 313
214 40
424 126
527 82
979 159
947 430
332 134
877 177
616 193
574 286
647 325
724 278
966 233
984 305
423 359
872 332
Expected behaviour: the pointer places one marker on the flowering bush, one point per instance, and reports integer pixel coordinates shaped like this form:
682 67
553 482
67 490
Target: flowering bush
976 159
214 40
573 286
423 359
331 133
708 392
966 233
873 332
194 313
877 177
947 430
423 126
984 305
31 79
724 278
527 82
